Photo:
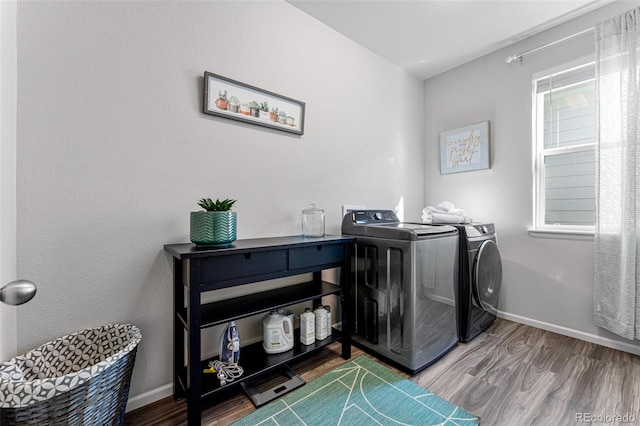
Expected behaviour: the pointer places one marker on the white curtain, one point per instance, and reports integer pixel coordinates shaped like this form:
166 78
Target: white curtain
617 230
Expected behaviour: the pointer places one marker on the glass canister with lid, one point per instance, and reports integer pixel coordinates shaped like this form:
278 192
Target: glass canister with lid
312 222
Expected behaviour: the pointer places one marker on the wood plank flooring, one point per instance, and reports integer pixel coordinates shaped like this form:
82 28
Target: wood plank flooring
510 375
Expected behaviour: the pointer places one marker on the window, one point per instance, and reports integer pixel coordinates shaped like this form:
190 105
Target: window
564 141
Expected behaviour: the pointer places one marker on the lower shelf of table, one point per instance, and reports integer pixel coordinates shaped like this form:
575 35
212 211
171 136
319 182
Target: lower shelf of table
255 362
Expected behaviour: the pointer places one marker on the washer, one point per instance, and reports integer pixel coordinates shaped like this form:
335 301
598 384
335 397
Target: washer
403 289
480 279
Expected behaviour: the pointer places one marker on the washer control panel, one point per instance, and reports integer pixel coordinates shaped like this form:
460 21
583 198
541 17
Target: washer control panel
374 216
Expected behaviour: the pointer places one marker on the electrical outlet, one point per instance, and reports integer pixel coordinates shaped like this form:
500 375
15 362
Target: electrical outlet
347 207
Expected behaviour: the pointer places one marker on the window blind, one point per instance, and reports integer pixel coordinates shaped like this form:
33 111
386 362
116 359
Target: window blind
566 78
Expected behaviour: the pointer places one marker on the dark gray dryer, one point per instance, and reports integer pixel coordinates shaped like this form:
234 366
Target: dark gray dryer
403 291
480 279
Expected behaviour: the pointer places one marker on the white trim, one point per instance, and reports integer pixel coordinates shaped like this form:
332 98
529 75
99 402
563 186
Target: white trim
165 391
8 176
567 66
538 169
539 154
580 335
562 234
442 299
149 397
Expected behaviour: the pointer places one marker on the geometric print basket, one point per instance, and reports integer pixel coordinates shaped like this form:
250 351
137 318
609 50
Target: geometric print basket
79 379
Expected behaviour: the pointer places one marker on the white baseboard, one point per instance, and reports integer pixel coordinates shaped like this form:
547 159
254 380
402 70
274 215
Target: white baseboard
581 335
157 394
149 397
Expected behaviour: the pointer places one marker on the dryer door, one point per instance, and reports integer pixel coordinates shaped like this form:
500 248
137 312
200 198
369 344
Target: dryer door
487 276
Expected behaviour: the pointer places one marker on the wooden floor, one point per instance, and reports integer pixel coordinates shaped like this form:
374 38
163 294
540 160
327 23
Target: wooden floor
510 375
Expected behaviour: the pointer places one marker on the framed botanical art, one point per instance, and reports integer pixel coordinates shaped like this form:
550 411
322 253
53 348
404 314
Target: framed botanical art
231 99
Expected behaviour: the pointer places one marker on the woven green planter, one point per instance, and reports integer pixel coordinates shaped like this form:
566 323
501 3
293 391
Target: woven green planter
213 229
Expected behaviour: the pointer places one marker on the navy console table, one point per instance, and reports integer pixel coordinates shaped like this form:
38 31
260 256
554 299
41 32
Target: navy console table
196 270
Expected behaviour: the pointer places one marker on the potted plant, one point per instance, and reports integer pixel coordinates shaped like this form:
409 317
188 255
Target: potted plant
264 110
282 117
216 225
222 102
255 108
273 115
289 120
234 104
244 109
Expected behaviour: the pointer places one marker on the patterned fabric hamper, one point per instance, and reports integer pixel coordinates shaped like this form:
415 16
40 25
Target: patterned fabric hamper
79 379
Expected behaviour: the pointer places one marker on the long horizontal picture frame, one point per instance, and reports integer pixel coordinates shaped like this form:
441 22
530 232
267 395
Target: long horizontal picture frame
232 99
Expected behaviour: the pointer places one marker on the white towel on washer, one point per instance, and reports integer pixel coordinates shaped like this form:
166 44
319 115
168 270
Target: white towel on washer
445 212
445 206
447 218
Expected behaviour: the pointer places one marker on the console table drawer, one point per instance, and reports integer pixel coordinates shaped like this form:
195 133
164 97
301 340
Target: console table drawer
224 268
315 255
248 261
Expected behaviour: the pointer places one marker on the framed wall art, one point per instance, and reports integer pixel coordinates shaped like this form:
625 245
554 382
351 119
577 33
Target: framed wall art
465 149
231 99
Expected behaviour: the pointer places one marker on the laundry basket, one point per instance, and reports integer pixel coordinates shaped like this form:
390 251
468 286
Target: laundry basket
79 379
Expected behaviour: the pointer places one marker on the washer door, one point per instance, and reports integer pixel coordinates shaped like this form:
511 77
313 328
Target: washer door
487 276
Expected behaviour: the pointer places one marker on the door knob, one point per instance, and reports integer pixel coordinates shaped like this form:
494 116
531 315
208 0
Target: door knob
17 292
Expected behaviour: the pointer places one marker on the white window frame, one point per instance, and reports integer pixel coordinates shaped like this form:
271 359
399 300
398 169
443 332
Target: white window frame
539 155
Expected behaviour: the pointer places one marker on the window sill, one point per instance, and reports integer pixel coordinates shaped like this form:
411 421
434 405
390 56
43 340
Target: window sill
561 234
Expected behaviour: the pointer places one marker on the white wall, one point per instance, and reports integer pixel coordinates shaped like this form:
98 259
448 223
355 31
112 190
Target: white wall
547 282
8 94
114 152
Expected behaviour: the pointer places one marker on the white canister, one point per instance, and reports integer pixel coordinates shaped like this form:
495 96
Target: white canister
321 322
328 309
307 327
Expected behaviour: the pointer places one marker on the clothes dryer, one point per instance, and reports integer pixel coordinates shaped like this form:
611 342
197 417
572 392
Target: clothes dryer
480 279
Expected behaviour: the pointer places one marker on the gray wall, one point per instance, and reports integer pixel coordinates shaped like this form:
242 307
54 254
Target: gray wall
8 94
547 281
114 152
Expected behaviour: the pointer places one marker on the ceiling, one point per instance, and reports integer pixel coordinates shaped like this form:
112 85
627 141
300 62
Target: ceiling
427 37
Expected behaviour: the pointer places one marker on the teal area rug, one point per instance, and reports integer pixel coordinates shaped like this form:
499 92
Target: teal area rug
360 392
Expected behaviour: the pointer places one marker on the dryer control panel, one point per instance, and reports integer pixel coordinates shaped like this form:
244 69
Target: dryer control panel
479 229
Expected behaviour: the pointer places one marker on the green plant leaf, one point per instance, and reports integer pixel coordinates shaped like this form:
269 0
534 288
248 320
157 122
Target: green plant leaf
216 206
